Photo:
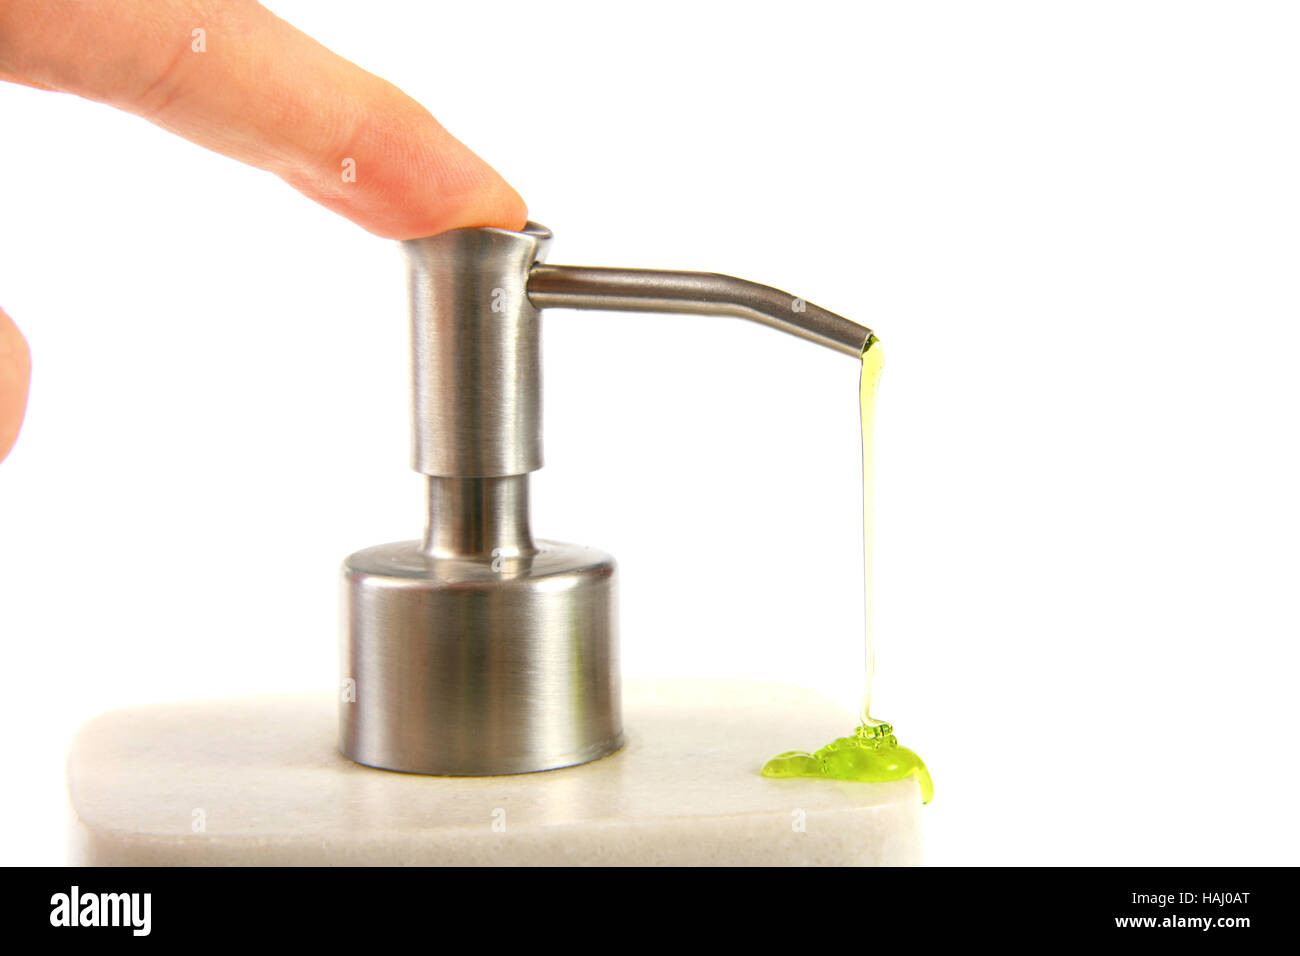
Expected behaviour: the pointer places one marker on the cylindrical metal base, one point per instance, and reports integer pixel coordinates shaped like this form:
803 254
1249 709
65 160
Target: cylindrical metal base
479 666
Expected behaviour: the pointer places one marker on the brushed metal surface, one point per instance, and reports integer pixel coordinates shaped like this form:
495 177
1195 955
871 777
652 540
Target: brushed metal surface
477 651
478 517
693 293
460 666
475 352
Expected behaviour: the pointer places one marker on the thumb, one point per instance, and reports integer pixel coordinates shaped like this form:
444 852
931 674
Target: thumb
15 374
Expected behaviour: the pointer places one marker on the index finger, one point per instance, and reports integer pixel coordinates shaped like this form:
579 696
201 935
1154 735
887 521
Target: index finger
235 78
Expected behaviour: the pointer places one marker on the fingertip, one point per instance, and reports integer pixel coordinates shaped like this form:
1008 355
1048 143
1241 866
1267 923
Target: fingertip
494 204
396 172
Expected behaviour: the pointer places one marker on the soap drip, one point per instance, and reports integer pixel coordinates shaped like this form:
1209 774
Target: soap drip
872 753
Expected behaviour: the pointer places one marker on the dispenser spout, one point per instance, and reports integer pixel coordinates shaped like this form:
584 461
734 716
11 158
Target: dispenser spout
694 293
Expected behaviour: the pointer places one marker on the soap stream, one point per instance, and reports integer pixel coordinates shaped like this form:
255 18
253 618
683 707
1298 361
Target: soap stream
872 753
872 362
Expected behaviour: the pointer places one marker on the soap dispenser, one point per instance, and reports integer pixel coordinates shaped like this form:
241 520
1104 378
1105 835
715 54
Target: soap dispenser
479 650
478 654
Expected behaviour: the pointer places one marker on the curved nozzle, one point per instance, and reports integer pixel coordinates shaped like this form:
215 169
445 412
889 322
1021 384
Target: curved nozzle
695 293
476 299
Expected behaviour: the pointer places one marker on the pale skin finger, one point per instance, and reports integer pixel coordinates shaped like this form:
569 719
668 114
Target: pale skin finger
233 77
249 85
15 372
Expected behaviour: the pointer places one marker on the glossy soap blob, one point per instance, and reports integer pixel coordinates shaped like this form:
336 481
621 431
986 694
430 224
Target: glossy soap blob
872 753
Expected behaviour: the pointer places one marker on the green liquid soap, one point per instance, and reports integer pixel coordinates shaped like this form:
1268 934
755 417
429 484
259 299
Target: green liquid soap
872 753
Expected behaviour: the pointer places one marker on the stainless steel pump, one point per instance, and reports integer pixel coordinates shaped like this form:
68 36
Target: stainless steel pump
478 650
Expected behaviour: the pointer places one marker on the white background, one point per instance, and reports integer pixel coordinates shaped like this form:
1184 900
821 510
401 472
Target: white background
1075 227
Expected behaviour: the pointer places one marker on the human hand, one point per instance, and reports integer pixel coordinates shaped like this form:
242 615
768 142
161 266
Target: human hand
233 77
